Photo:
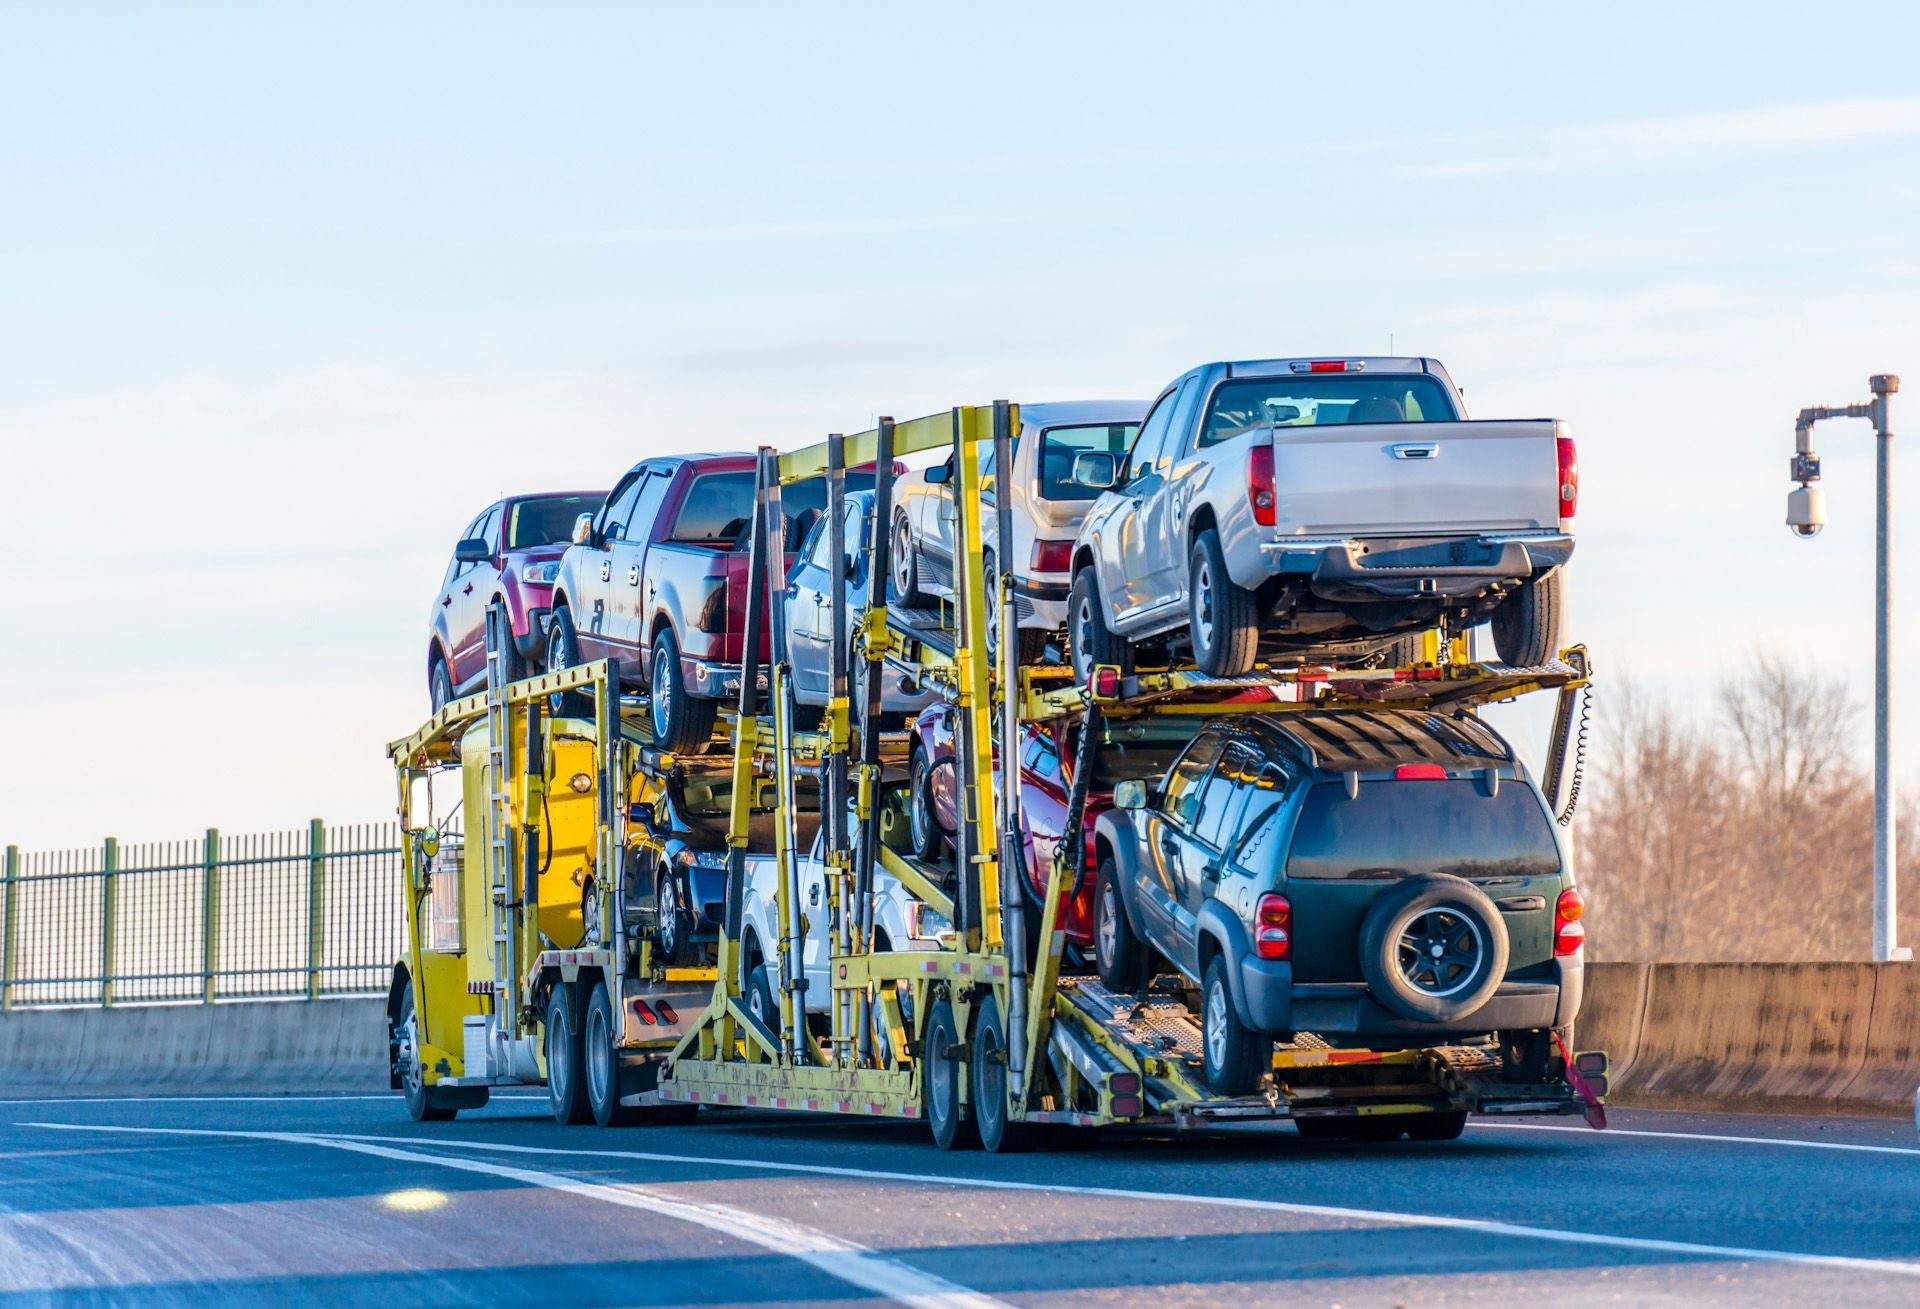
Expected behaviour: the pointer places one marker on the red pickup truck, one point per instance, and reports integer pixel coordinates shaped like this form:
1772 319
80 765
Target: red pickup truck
657 579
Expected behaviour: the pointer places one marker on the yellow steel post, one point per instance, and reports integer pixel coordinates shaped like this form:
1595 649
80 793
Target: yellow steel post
975 700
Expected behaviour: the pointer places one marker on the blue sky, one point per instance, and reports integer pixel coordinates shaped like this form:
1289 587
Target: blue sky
285 296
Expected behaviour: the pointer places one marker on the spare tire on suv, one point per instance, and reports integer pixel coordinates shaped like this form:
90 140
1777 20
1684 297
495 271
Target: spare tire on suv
1433 948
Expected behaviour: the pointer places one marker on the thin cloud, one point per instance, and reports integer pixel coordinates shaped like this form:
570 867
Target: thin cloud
797 229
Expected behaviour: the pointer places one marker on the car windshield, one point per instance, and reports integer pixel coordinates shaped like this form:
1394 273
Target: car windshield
1324 400
706 804
1403 828
548 520
1064 444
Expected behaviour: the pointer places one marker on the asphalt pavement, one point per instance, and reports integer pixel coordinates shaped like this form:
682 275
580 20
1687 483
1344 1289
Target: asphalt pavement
340 1200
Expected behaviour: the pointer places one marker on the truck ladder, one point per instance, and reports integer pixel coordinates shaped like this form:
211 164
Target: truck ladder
499 820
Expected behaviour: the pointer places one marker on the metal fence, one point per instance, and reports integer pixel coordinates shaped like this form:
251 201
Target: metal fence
291 913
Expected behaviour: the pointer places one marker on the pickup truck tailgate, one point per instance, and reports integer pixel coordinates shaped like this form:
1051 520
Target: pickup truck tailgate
1397 478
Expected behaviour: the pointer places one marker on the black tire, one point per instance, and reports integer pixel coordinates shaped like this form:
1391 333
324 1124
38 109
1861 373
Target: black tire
1234 1055
992 1101
566 1089
759 999
439 684
421 1106
1407 922
905 581
601 1061
1089 641
674 920
923 827
1405 651
563 652
1222 616
943 1099
1526 626
1118 954
1445 1126
682 721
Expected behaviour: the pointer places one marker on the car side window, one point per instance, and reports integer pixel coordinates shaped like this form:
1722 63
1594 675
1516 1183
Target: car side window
456 568
619 505
646 507
1041 757
1225 794
1145 454
1258 849
489 529
1187 775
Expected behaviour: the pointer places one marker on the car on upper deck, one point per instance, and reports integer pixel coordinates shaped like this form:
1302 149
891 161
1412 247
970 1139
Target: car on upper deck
1047 503
1329 509
510 552
1365 875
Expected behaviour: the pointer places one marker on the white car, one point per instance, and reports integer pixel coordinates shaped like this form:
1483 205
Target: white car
1048 507
900 922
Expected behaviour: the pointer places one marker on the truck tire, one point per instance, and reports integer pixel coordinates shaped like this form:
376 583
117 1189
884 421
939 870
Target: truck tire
602 1061
1225 628
943 1100
1118 954
1526 626
1443 1126
421 1101
682 721
1408 924
1235 1057
1089 641
566 1093
992 1099
563 652
906 566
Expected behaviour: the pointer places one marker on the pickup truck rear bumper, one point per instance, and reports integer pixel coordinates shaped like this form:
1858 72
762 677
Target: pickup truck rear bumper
1410 567
712 681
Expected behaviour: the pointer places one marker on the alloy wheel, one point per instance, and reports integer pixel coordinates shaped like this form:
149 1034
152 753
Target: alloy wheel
1440 952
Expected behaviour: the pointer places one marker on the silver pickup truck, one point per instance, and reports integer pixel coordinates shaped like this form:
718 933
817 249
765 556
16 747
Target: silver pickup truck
1330 508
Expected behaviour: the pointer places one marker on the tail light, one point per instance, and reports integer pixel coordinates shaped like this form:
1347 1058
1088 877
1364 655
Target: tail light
667 1014
713 614
1052 556
1104 682
645 1013
1569 478
1260 482
1420 773
1273 927
1568 934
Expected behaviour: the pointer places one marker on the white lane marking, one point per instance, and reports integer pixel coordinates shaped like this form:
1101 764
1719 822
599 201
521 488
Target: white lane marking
1385 1217
233 1099
854 1264
1705 1136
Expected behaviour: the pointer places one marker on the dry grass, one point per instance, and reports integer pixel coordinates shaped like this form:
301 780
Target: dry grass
1745 833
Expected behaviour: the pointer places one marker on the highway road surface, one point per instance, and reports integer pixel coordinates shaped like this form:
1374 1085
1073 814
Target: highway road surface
341 1200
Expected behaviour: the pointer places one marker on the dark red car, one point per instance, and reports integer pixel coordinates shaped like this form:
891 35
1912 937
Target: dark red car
509 552
1046 776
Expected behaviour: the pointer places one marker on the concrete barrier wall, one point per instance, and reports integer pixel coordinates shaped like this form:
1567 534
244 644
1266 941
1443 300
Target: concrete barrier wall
258 1046
1775 1038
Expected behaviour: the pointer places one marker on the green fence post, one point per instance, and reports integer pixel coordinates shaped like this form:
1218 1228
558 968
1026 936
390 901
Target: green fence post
210 914
10 941
316 904
109 894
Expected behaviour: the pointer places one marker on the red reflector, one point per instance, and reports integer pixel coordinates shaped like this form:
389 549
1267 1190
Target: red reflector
1328 366
1420 773
1569 476
666 1013
1123 1083
1106 681
646 1014
1126 1106
1260 483
1052 556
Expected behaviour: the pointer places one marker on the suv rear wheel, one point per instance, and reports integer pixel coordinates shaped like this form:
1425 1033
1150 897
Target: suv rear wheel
1526 626
1226 633
1236 1056
682 722
1118 954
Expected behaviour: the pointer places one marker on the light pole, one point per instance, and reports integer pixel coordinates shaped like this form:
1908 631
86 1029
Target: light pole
1806 515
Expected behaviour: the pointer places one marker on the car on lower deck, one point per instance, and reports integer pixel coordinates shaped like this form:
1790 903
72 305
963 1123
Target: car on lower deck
1368 876
509 553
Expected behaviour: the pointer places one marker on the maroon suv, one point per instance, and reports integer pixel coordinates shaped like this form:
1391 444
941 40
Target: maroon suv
509 552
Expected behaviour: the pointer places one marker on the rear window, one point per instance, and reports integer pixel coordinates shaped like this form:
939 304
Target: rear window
717 509
1062 445
547 521
1324 400
1397 829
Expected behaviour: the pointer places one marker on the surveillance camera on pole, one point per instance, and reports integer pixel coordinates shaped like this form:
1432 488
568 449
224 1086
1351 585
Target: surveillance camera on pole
1806 515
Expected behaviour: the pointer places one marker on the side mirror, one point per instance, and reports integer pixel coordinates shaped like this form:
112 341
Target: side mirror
472 550
642 814
940 474
1096 469
1130 794
583 530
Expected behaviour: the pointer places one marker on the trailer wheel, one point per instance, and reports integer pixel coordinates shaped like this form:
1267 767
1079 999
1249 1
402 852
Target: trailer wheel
602 1062
1526 626
992 1098
413 1083
1225 629
1438 1127
1236 1056
1118 954
942 1082
566 1094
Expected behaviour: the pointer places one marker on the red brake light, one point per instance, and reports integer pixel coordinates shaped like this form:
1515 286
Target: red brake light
1260 483
1420 773
1273 927
1106 682
1328 366
1568 934
1052 556
1569 476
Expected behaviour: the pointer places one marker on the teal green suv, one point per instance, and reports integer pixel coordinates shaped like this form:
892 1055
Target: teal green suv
1378 878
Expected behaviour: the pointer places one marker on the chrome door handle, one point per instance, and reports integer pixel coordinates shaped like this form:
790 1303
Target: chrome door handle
606 570
633 575
1416 450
